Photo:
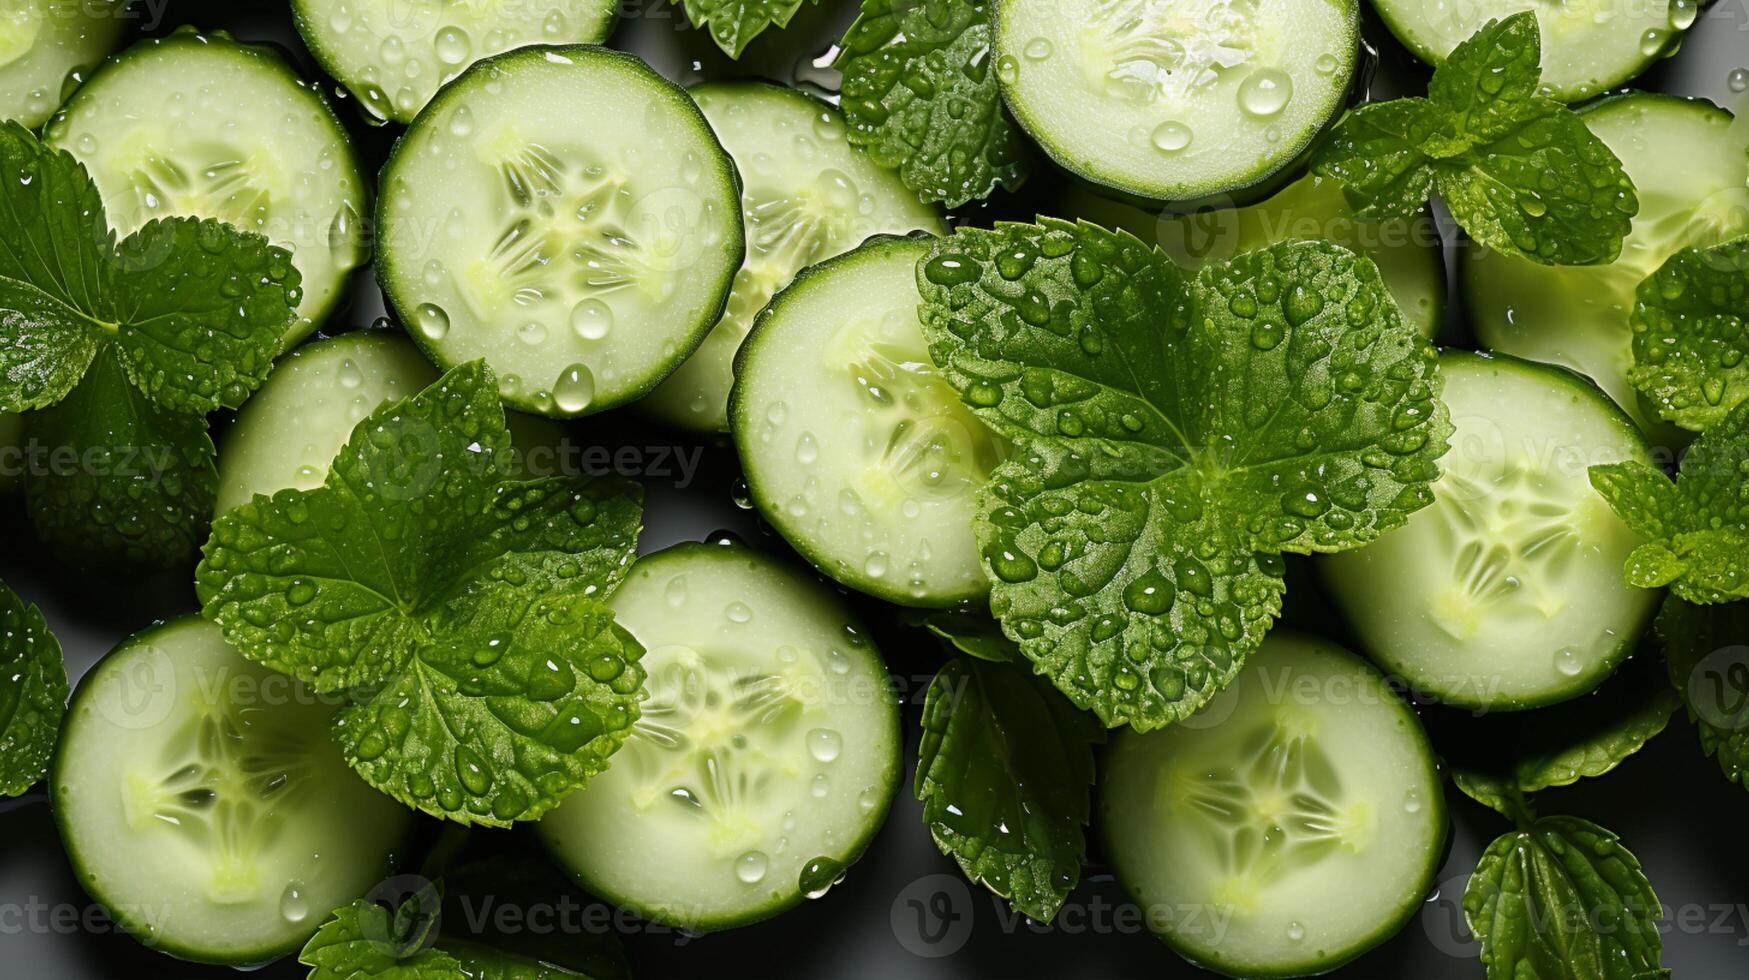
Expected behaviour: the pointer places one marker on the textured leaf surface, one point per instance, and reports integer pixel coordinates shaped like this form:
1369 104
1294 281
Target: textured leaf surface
1691 335
122 481
1563 900
1176 434
1519 171
33 694
1696 529
365 940
1706 649
920 93
1005 775
733 24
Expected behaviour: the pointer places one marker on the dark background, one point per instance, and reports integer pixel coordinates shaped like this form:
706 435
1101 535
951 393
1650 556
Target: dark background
1669 803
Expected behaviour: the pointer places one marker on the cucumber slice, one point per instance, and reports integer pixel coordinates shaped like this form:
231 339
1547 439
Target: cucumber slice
47 47
1588 47
289 432
853 446
203 804
394 55
1290 826
766 756
807 195
1409 253
1577 316
198 124
1507 593
567 214
1172 101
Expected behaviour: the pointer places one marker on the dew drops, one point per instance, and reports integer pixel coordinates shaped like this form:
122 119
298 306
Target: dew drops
1738 80
591 319
452 45
433 322
575 389
738 612
1295 932
1038 49
1568 662
1265 92
751 866
819 875
824 744
1007 69
532 333
1326 64
1412 802
820 786
807 449
676 591
1171 136
294 907
1652 42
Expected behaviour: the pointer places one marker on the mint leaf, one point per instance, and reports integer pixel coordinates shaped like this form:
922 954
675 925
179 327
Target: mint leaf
1005 776
1519 171
1175 435
1495 791
921 97
1691 333
33 694
364 940
1706 649
1563 900
970 633
461 602
1697 528
735 23
196 308
123 481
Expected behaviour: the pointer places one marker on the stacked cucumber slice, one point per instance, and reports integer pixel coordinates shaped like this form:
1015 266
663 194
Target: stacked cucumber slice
807 195
200 125
766 757
395 54
47 47
205 806
566 214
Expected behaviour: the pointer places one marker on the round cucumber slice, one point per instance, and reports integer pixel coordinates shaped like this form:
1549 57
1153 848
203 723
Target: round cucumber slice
1170 101
204 805
1409 253
1293 824
289 432
1507 592
567 214
395 54
1577 316
854 447
200 125
766 755
47 47
807 195
1588 47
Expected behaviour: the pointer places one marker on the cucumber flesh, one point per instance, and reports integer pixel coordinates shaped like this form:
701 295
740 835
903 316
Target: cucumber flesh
289 432
204 805
854 447
1507 592
47 49
1290 826
1588 47
1409 253
1577 316
200 125
764 760
566 214
394 55
1169 101
807 195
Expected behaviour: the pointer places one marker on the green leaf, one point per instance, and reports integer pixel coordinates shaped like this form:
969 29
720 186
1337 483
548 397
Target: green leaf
735 23
460 603
1175 435
973 634
1005 775
33 694
1691 335
1563 900
1706 649
921 97
364 940
1496 791
1519 171
1696 529
123 482
196 308
522 699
